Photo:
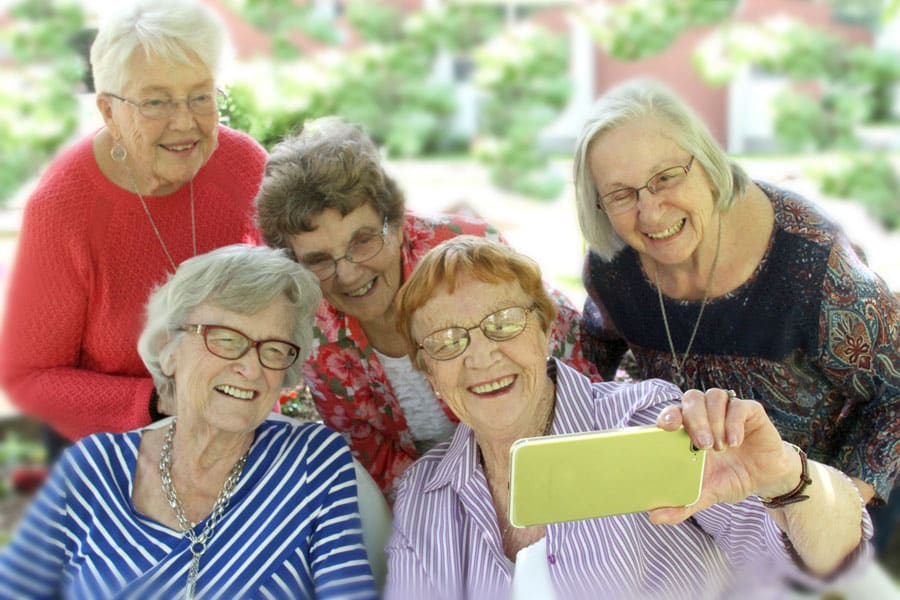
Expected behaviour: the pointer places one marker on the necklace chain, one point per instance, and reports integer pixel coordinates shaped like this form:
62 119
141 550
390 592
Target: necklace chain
156 229
198 542
679 379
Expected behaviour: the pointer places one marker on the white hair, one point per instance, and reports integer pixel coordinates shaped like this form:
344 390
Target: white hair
175 31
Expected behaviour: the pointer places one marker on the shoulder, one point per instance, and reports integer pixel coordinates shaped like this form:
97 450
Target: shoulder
239 154
97 457
239 141
421 485
283 438
430 229
72 175
796 215
616 404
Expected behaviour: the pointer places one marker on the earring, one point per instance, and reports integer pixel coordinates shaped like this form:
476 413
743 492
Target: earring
118 152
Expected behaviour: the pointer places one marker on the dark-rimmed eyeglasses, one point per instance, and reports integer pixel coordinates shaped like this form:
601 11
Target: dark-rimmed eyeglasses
363 247
231 344
624 199
203 104
500 326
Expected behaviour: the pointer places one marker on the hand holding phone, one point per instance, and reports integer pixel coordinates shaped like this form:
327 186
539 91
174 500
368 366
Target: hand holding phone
596 474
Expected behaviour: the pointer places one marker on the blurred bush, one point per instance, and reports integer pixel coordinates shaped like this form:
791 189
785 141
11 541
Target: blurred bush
38 107
522 73
869 178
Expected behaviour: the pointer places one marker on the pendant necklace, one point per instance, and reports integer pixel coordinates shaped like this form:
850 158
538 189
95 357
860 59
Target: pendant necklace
678 379
198 542
156 229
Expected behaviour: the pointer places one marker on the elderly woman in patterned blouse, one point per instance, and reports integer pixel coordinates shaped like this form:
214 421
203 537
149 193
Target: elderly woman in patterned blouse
714 280
476 320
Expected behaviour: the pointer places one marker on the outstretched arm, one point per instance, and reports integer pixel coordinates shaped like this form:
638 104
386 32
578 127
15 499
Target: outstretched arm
746 457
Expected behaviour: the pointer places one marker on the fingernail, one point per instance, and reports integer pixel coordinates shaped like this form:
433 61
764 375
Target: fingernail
733 441
668 418
705 440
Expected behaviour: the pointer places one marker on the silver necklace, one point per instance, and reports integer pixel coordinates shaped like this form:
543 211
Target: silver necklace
678 378
156 229
198 542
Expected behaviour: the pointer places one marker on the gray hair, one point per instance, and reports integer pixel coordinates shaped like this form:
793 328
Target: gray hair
640 99
170 30
239 278
329 163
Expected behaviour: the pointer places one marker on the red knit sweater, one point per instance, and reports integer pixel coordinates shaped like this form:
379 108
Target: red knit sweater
86 260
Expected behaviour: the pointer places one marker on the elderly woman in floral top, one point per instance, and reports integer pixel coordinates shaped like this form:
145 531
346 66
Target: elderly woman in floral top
326 198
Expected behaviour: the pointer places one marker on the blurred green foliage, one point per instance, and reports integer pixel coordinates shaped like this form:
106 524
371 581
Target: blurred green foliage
523 74
870 178
376 66
38 108
843 85
643 28
385 83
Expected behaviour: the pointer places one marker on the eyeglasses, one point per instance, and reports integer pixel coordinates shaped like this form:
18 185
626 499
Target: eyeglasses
364 246
624 199
500 326
163 108
232 344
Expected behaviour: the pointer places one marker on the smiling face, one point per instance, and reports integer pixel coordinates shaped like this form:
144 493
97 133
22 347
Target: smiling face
163 154
493 387
363 290
668 227
236 395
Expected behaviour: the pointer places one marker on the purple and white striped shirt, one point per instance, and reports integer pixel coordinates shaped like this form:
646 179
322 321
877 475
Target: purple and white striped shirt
446 543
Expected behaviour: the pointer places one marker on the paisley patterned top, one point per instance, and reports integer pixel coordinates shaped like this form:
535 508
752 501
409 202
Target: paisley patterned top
813 334
348 383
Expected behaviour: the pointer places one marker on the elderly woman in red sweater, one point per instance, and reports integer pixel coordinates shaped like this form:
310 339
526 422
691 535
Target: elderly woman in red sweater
160 182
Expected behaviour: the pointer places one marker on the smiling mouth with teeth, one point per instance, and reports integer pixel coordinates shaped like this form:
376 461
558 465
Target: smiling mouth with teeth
181 148
667 232
361 291
234 392
493 386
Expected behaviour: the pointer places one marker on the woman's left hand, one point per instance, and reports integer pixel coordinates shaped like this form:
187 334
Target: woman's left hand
745 455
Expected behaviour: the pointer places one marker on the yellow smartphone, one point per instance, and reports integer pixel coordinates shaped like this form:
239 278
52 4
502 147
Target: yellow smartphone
586 475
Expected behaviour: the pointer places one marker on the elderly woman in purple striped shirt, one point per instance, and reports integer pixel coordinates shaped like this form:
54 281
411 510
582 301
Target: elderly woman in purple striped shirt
475 317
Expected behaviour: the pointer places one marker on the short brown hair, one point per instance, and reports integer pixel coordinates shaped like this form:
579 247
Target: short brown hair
468 256
329 163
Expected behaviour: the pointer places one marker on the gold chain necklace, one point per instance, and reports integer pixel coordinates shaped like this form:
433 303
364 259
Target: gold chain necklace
678 378
198 542
156 229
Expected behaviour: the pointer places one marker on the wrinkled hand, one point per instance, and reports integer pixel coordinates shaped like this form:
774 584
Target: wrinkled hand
745 454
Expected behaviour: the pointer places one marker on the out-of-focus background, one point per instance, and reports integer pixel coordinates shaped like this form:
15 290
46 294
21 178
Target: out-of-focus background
477 104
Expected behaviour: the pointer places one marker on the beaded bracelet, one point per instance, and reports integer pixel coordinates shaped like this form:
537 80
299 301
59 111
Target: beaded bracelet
795 495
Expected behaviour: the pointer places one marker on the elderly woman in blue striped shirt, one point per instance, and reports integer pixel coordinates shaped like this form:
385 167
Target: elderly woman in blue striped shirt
219 501
475 317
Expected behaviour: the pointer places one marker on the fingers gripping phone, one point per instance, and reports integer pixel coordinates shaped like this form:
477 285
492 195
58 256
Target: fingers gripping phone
586 475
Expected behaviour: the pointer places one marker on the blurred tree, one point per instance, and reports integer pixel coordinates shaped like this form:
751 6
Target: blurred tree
386 84
38 106
523 74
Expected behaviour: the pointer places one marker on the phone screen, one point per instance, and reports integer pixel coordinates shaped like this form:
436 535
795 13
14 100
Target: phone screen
586 475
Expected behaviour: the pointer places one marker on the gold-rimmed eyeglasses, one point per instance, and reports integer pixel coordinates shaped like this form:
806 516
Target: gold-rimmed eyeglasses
624 199
202 104
365 246
500 326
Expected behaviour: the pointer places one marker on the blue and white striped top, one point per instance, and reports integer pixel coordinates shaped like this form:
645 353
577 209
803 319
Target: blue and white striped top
291 529
446 543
